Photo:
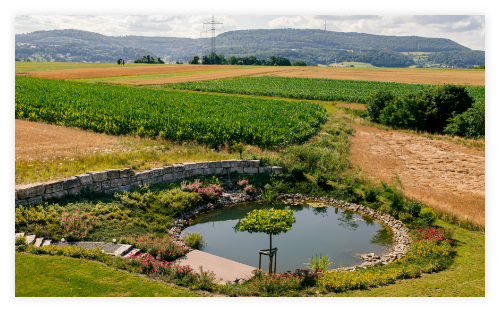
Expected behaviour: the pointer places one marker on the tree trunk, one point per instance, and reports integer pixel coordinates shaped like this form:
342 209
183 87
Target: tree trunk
270 253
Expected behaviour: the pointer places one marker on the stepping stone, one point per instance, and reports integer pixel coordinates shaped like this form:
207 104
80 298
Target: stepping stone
39 241
46 242
121 250
133 252
19 235
30 239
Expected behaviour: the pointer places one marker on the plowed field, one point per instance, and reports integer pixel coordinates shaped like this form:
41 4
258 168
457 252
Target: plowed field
416 76
122 71
448 176
206 76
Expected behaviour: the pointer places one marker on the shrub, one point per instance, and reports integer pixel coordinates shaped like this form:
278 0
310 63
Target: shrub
322 181
376 102
42 214
469 124
286 284
77 225
211 192
413 208
428 215
162 247
194 240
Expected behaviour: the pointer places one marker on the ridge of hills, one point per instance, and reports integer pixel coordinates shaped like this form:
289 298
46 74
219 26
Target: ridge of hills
311 45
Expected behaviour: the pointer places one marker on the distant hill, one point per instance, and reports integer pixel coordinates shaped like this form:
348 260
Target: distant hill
310 45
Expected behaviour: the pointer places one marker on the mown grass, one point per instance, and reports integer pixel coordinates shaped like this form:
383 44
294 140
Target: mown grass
464 278
57 276
43 66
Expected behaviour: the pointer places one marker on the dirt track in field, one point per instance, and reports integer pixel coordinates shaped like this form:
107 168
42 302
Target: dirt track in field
354 106
39 141
416 76
207 76
445 175
123 71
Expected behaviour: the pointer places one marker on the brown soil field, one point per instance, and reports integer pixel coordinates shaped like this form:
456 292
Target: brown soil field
416 76
123 71
207 76
354 106
39 141
447 176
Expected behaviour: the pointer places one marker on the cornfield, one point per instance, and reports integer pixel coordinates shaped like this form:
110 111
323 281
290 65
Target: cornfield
205 118
310 88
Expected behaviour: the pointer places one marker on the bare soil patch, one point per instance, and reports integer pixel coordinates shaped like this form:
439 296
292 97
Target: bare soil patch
207 76
446 176
39 141
80 73
415 76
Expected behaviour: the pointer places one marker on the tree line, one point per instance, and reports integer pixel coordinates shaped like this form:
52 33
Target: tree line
246 60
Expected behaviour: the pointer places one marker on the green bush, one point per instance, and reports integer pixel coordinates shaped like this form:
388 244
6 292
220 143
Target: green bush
322 181
377 101
469 124
428 215
194 240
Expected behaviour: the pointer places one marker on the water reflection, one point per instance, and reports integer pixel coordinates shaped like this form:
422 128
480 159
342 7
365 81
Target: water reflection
347 220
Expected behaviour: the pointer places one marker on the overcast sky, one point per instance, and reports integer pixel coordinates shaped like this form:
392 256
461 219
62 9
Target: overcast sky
468 30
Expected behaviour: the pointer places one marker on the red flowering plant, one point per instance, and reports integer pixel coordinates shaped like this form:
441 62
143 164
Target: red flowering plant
248 188
210 192
76 226
163 248
434 234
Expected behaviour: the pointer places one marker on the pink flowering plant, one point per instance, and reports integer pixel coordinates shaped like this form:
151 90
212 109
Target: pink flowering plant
434 234
248 188
76 226
210 192
163 248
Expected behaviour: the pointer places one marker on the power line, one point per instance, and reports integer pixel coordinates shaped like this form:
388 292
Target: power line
213 23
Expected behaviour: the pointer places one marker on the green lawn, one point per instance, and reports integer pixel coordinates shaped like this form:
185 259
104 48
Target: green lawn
54 276
465 278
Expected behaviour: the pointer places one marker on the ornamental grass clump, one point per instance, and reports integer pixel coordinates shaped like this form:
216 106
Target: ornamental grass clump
319 264
194 240
77 225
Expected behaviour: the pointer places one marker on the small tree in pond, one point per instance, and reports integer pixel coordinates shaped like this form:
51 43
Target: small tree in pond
269 221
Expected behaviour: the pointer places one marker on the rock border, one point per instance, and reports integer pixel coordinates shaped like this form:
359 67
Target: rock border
114 180
401 238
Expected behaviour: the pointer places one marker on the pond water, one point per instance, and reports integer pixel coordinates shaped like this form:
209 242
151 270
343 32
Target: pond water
340 233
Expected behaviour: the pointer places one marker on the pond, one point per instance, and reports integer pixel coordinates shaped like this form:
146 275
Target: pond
340 233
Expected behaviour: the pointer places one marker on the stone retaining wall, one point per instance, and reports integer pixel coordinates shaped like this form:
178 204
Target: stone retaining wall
113 180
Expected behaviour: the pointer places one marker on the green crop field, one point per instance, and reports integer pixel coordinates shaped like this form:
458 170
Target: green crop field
309 88
42 66
205 118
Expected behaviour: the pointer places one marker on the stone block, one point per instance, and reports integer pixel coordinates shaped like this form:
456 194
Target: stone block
113 174
98 176
169 177
239 170
147 182
16 194
190 165
127 172
254 163
244 163
144 175
54 195
37 200
70 182
157 171
214 164
209 171
126 181
85 179
21 202
277 169
125 188
96 187
105 185
116 182
53 186
111 190
218 170
75 190
198 172
225 163
189 173
30 190
168 169
178 167
265 169
157 180
234 163
202 165
178 176
251 170
225 171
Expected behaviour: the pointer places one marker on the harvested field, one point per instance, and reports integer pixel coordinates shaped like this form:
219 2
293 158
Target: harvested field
414 76
39 141
207 76
81 73
446 176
